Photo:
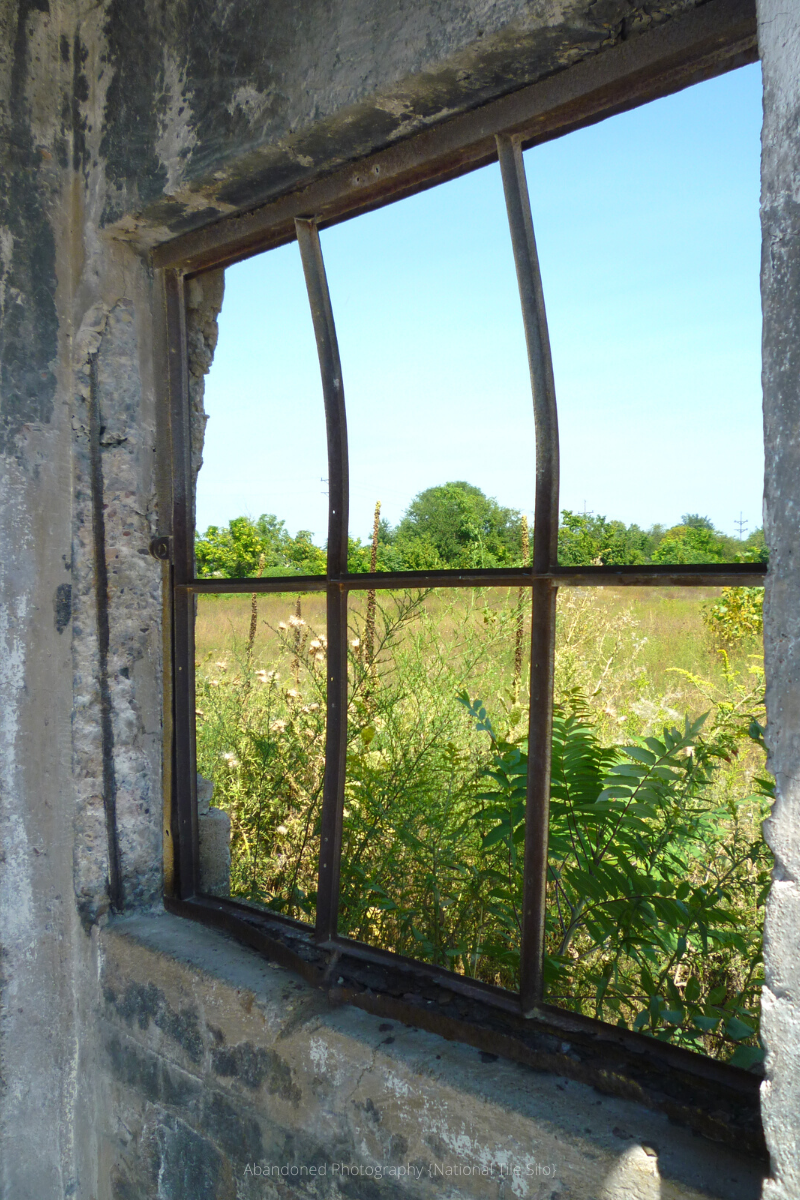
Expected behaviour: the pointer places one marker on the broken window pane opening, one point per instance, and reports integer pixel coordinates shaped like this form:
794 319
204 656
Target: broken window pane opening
652 307
658 870
265 437
435 376
438 688
261 720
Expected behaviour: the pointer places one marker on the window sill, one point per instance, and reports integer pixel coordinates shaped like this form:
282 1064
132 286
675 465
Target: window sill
225 1061
715 1101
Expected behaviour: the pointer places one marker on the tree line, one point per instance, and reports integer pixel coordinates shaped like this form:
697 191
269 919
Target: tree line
455 525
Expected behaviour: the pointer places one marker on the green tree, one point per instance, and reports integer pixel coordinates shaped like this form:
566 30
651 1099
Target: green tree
755 548
389 557
236 552
585 538
456 525
303 556
698 542
249 548
695 521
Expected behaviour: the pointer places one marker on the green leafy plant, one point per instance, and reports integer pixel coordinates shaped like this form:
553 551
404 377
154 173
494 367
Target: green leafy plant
738 615
652 882
248 548
412 874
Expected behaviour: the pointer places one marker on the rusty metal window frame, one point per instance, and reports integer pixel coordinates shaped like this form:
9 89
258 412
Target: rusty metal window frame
714 38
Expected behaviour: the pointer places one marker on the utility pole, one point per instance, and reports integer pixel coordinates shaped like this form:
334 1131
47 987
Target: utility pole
741 526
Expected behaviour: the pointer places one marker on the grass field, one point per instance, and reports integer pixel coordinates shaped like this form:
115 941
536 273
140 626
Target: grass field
625 647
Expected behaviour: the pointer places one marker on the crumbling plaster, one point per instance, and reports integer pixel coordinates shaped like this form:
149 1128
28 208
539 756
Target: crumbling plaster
200 121
121 124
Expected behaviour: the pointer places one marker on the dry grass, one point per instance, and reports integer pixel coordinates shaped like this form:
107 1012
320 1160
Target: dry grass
624 646
223 625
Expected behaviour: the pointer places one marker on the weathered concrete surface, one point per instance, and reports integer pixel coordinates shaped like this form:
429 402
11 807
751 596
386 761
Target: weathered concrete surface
143 120
220 1066
115 515
79 723
38 916
203 303
199 120
779 39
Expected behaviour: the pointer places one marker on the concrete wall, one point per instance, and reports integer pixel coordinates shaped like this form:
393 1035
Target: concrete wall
779 41
120 124
224 1067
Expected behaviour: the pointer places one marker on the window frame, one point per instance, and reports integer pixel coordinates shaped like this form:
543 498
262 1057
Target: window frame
707 41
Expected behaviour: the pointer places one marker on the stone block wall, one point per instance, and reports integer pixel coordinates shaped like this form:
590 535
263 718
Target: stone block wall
227 1078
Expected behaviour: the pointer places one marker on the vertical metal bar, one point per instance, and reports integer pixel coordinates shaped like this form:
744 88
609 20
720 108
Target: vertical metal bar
183 603
545 558
115 888
537 808
526 259
338 515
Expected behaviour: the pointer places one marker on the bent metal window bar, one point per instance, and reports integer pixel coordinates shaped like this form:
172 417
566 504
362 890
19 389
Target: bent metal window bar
321 954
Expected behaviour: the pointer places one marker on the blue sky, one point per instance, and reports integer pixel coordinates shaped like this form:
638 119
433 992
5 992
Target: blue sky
649 241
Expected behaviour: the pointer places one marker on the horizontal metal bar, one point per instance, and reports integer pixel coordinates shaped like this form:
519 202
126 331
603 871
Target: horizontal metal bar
658 575
387 580
391 580
699 44
463 985
281 583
